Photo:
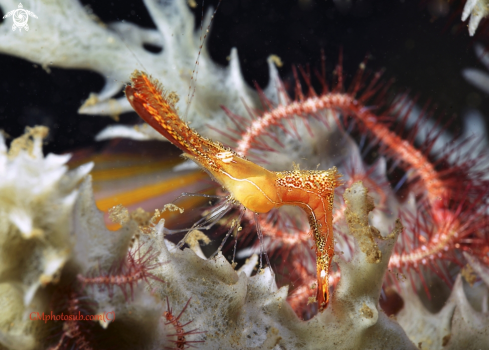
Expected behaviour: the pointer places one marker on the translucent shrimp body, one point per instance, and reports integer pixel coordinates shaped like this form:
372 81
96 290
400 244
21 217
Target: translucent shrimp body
253 186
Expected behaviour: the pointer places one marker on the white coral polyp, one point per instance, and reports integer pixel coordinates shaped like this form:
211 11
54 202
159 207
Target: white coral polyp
25 179
37 195
477 10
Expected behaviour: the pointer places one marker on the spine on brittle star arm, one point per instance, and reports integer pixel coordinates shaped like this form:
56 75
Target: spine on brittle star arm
181 334
137 266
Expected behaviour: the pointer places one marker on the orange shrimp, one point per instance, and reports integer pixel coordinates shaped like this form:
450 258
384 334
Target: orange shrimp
253 186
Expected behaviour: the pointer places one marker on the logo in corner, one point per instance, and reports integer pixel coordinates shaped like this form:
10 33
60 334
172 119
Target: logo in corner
20 17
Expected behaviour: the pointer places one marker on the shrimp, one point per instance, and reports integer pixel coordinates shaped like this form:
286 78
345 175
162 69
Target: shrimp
249 184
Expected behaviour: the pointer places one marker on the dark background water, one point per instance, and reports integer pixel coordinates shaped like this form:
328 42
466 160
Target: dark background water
423 51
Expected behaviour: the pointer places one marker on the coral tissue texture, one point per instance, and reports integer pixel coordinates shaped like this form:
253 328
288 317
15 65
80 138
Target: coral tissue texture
228 308
37 197
57 256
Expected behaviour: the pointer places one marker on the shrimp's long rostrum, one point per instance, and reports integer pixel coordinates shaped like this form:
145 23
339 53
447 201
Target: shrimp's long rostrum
255 187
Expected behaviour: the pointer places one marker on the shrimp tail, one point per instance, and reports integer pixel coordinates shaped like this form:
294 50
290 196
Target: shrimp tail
157 108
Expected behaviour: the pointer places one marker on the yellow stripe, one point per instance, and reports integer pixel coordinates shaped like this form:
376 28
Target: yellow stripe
150 191
129 171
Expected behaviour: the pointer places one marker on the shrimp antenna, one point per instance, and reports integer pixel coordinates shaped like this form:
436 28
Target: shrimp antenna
132 53
193 82
130 50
